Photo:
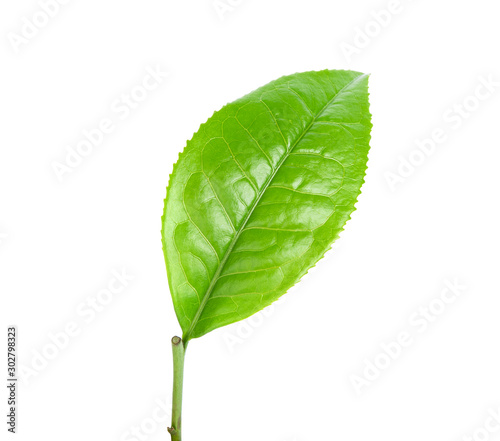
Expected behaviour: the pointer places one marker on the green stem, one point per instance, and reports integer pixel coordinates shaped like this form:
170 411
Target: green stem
178 351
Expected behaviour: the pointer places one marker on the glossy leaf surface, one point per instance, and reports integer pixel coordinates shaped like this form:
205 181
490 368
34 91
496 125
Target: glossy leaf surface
260 193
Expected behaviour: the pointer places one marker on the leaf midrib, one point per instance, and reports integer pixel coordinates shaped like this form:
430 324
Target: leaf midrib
187 336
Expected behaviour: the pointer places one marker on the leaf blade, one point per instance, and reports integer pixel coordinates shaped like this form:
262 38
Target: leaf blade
260 193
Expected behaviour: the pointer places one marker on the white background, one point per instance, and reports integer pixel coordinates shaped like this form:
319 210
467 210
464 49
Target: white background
286 375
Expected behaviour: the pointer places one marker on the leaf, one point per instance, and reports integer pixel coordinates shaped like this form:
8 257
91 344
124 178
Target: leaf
260 193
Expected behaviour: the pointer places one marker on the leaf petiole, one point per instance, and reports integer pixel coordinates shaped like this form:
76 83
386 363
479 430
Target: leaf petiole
178 351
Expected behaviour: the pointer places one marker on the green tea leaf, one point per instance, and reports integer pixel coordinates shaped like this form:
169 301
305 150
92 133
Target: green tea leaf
260 193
